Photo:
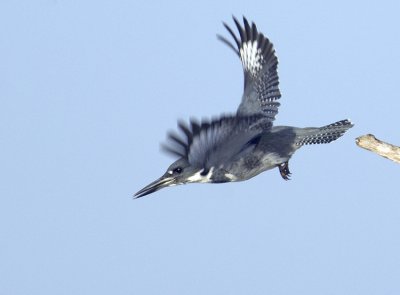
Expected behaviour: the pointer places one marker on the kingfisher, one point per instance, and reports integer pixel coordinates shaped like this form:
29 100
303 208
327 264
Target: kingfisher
239 146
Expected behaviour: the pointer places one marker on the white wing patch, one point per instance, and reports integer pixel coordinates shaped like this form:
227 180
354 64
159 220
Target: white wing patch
251 57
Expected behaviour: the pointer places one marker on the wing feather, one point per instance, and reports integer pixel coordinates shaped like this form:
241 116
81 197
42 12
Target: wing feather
212 143
261 81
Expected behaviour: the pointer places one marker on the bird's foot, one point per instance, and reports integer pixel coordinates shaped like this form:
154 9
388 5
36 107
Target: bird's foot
284 170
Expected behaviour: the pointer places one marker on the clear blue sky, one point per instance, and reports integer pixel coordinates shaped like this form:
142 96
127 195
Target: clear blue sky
88 90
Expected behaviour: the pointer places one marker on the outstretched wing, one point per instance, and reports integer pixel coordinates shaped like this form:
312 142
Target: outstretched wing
214 143
261 81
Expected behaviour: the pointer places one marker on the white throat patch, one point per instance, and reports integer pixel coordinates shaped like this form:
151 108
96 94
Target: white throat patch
197 177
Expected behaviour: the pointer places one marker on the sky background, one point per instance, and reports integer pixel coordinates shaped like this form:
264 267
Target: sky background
88 90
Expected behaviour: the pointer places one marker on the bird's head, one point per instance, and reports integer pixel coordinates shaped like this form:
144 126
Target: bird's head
179 172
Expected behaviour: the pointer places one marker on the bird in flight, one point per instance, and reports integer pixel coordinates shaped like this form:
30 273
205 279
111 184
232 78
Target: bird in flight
240 146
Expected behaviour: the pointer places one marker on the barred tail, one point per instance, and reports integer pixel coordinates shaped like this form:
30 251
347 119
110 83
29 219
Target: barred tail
324 134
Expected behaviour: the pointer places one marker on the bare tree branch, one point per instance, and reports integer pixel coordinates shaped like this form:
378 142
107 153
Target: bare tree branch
387 150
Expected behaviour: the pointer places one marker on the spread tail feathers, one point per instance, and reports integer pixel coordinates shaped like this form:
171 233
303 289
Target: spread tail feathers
323 134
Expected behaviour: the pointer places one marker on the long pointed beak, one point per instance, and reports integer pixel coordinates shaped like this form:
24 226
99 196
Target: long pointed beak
163 181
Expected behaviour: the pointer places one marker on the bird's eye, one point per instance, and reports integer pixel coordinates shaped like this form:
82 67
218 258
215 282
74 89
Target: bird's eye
178 170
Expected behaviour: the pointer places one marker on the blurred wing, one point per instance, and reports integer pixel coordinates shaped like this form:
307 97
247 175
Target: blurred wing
214 143
261 81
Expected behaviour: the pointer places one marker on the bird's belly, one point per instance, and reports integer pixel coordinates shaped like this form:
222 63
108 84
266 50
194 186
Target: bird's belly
252 165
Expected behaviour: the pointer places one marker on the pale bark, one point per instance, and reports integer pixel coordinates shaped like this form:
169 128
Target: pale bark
387 150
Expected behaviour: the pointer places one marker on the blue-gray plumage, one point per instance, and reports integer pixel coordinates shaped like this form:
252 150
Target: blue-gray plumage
238 147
